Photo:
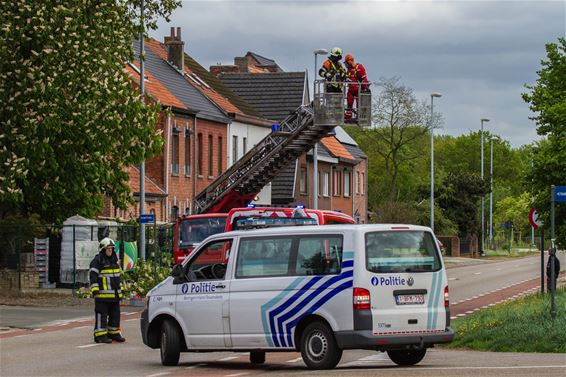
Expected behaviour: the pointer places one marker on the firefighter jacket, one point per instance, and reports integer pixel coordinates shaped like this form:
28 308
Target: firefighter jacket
334 72
104 274
357 74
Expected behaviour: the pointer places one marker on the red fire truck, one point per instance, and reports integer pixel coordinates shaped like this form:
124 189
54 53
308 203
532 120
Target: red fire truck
193 229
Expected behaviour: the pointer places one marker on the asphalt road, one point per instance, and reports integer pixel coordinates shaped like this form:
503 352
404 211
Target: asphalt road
61 344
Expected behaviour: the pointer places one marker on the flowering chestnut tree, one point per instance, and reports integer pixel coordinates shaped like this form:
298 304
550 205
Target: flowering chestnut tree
71 118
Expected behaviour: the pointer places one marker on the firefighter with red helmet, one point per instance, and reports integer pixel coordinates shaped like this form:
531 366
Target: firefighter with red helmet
106 287
357 76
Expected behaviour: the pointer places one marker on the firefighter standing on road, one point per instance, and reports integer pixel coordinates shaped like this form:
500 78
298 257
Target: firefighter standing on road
356 74
333 71
106 288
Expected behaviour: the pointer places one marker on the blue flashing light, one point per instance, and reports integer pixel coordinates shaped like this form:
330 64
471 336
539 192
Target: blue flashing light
337 210
300 206
251 205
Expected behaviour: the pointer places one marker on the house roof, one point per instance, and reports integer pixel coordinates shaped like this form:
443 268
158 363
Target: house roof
343 136
336 148
356 152
151 187
262 60
178 85
220 87
155 88
283 186
274 94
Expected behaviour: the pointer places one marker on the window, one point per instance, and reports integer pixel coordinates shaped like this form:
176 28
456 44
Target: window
401 251
174 213
245 145
363 183
263 257
320 184
303 181
234 149
187 151
319 256
289 256
325 189
358 182
220 156
210 160
200 152
346 183
337 183
211 262
175 152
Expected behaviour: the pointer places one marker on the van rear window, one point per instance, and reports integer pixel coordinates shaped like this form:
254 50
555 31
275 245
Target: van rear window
401 251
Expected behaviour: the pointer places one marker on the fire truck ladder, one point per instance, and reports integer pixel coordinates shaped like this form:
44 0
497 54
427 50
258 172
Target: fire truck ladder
297 134
243 180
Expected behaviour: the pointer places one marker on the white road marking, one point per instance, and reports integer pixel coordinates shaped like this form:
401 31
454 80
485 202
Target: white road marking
21 336
452 279
129 313
131 319
295 360
158 374
89 345
509 367
38 329
236 374
229 358
196 366
498 269
81 327
477 273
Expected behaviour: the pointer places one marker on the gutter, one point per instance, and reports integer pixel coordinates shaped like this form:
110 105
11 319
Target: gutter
250 119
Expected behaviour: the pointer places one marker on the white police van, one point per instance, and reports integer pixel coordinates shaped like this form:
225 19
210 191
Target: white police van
314 289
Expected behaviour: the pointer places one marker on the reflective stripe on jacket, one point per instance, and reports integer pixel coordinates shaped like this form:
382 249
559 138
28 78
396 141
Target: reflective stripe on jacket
336 70
357 74
104 276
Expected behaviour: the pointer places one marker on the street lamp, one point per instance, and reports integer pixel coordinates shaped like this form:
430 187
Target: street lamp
482 197
320 51
491 192
432 95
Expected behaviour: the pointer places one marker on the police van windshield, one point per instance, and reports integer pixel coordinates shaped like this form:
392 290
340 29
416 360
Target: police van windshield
401 251
197 229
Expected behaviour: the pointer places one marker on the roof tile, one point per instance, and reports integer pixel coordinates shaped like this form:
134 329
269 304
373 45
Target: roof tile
336 148
155 88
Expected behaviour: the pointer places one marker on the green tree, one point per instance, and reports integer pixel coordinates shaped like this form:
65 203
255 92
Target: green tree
459 197
514 209
72 122
547 99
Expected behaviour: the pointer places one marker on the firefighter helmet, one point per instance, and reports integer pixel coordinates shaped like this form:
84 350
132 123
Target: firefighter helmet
106 242
336 52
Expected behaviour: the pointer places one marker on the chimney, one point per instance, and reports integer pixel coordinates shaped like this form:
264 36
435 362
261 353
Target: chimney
242 63
175 49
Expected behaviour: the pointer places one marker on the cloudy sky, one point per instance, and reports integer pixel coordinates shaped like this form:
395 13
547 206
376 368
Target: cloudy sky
478 54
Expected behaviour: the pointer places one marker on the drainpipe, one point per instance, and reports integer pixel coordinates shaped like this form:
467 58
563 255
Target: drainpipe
195 173
167 150
353 191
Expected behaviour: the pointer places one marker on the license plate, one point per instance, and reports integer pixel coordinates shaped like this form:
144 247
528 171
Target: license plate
409 299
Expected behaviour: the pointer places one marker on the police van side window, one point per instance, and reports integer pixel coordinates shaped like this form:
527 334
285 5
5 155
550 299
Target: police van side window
289 256
265 257
401 251
319 255
211 262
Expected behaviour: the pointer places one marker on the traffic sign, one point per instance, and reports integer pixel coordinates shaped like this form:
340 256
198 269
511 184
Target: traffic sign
560 194
534 218
147 218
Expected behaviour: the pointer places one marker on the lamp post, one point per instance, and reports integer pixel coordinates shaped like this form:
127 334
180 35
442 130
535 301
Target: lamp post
142 165
432 96
491 192
482 197
320 51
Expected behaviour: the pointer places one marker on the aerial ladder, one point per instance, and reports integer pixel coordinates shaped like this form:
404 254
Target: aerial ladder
295 135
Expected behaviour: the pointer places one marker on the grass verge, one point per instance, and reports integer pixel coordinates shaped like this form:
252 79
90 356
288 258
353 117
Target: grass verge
522 325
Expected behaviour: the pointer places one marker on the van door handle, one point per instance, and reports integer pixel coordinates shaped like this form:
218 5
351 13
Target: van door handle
220 286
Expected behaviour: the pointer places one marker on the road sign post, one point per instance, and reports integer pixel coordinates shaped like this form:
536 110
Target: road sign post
536 222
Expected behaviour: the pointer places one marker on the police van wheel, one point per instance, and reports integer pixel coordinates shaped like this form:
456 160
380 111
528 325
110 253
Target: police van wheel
318 347
406 357
170 343
257 357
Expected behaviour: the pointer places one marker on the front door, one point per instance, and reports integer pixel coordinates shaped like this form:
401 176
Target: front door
202 301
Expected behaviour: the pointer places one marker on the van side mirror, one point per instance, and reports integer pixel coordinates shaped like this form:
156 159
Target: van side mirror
177 274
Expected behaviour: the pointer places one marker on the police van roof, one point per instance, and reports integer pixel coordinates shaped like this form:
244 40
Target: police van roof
314 229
